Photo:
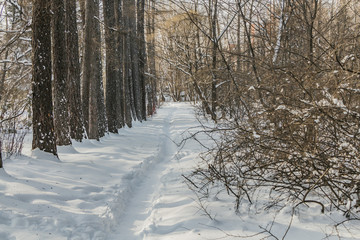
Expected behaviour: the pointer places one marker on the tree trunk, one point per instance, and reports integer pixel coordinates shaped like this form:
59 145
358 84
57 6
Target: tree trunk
43 125
142 55
73 73
120 101
1 160
151 85
213 17
111 71
61 116
129 106
87 63
93 104
134 52
82 11
238 43
101 114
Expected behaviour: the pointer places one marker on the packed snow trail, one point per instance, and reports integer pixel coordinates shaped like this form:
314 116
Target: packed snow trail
98 190
131 221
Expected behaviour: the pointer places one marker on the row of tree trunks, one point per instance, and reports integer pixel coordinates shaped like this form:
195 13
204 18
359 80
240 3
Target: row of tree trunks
75 110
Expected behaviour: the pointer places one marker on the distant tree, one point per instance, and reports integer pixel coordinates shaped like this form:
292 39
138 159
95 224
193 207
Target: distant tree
61 114
43 125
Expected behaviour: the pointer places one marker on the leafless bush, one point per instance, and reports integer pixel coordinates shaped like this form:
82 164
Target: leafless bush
289 117
12 134
12 141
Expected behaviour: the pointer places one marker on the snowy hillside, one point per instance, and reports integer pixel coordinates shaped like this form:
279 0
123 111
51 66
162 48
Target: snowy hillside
129 186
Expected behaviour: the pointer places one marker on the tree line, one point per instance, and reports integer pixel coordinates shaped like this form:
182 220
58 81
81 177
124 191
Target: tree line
91 68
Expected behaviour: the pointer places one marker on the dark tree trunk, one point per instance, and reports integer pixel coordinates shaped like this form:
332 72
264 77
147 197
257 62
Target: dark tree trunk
134 51
87 63
43 125
61 115
1 161
2 81
98 81
142 55
151 84
73 73
120 101
92 70
128 86
213 17
111 68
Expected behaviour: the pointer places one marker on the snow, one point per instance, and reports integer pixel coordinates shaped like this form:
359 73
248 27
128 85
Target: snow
129 186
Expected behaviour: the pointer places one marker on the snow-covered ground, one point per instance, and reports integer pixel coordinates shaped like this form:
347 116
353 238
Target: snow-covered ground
129 186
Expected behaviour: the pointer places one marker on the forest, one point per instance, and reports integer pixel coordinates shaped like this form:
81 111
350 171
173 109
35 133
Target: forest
275 85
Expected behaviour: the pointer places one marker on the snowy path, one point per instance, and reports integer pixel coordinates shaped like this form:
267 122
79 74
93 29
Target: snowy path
112 189
131 224
153 193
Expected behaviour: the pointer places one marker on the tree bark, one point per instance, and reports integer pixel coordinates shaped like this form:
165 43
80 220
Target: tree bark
134 52
120 100
87 59
43 125
61 116
128 71
73 73
98 81
213 17
151 85
93 98
111 71
142 55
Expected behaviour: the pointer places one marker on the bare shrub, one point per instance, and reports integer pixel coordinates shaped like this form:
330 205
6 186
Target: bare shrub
290 124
